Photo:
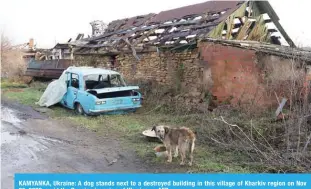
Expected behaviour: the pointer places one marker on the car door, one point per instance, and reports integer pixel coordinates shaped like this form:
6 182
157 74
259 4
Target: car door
72 90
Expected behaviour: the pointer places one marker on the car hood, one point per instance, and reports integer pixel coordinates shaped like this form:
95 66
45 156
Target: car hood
114 89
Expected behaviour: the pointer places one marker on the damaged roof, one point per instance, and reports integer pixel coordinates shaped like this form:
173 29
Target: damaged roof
196 10
126 23
301 54
61 46
174 27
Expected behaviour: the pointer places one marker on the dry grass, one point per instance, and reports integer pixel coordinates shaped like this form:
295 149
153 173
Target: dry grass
13 66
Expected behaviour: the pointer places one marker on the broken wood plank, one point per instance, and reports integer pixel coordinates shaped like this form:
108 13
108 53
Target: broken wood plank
133 49
230 23
143 36
244 30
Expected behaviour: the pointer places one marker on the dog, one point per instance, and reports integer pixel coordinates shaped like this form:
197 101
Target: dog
179 139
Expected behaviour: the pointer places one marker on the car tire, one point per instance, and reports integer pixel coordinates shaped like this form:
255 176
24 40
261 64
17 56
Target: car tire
79 109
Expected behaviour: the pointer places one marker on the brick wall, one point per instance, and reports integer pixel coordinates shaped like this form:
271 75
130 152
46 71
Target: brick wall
234 74
242 76
230 74
92 60
164 68
180 71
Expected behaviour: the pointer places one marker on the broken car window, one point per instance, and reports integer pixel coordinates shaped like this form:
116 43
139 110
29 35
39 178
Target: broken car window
116 81
93 77
99 81
104 77
75 81
91 81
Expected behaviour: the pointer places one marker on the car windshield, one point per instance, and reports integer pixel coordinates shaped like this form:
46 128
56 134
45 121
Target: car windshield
99 81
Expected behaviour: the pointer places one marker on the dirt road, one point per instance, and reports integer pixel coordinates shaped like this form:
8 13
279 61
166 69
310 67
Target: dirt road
31 142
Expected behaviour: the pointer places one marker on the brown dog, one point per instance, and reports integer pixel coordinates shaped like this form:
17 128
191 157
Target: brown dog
176 138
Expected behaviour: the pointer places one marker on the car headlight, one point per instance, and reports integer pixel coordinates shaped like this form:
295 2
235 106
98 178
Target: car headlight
100 102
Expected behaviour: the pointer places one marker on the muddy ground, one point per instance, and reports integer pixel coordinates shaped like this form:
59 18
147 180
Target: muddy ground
32 142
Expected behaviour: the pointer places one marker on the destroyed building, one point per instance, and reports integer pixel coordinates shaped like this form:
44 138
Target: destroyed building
222 48
61 51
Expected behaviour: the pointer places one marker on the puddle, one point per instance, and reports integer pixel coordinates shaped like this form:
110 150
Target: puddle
8 115
7 137
19 142
24 138
28 145
16 140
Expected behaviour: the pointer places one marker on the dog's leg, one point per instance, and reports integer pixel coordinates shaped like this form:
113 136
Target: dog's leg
182 154
181 145
191 151
169 151
176 151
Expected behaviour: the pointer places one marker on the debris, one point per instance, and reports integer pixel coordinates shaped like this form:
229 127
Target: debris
111 162
170 27
22 132
133 49
183 26
160 151
160 148
280 108
150 135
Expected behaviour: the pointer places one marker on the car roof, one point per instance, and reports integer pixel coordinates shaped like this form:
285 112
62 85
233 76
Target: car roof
91 70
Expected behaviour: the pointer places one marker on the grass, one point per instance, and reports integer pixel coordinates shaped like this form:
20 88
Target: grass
7 84
129 128
25 96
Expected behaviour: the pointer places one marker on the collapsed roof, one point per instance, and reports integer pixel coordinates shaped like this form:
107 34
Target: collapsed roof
239 20
61 46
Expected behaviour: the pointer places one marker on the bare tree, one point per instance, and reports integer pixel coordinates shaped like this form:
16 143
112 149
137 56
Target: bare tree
12 64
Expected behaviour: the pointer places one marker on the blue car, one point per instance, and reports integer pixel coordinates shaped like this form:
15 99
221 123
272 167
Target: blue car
93 91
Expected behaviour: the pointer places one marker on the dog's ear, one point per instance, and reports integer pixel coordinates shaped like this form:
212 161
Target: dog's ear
153 128
166 129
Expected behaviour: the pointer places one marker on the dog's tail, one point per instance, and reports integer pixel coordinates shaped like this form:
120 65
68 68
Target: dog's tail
191 146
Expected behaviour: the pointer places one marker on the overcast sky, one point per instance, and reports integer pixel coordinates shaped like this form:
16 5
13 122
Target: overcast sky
50 21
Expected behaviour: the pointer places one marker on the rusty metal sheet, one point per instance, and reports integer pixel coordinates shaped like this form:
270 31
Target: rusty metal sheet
196 9
46 73
47 69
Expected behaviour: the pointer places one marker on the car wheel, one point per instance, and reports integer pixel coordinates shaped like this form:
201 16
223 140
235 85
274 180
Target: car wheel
79 109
